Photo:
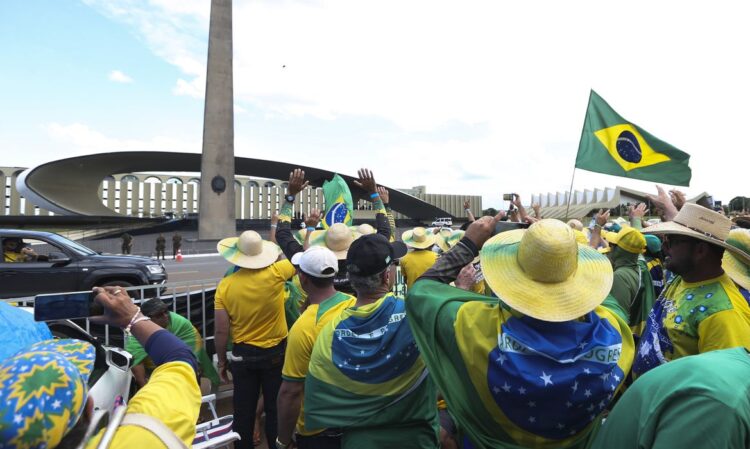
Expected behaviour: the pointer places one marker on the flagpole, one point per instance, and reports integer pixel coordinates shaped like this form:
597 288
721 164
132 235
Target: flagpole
570 193
583 132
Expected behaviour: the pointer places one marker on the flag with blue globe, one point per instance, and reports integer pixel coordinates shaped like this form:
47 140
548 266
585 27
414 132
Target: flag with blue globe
338 199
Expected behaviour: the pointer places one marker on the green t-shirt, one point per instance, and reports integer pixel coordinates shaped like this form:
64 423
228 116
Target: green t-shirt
700 401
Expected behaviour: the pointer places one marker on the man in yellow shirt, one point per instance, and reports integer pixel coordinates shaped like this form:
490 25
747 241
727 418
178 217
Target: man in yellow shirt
250 301
317 268
420 258
702 309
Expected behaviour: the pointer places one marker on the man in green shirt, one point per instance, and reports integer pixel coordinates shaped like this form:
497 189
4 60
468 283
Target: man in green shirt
698 401
182 328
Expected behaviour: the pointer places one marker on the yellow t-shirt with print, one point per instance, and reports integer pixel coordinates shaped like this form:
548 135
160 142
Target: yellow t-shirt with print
705 316
172 396
415 264
254 301
301 340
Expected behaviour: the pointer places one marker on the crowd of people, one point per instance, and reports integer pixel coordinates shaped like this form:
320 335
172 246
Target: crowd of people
516 331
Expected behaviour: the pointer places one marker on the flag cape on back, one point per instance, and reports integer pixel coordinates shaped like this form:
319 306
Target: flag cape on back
614 146
339 204
512 381
367 377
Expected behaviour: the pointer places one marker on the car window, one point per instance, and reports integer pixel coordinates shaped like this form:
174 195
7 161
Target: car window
25 250
77 247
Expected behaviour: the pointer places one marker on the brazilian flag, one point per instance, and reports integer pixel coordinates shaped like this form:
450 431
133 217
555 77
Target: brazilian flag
338 202
614 146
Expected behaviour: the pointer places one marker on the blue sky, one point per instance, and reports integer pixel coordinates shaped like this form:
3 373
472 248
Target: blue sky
480 97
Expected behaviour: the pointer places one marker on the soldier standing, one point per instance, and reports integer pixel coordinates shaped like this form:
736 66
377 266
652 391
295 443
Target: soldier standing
176 244
127 243
161 245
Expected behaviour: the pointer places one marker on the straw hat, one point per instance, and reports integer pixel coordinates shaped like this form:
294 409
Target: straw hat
447 238
364 229
418 238
543 273
249 250
738 270
702 224
338 237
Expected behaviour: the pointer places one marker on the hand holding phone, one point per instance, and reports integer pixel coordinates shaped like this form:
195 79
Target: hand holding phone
66 306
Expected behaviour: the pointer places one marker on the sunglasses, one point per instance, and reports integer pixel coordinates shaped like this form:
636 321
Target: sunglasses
669 241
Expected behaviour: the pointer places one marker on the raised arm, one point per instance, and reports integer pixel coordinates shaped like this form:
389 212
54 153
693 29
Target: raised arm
284 236
467 209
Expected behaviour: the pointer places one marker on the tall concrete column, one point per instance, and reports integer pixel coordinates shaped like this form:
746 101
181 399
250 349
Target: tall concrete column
216 201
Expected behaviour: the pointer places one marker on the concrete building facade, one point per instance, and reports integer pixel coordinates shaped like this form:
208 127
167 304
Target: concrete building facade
156 195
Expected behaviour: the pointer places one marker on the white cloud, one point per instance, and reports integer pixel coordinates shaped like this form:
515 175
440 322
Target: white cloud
119 77
522 69
79 138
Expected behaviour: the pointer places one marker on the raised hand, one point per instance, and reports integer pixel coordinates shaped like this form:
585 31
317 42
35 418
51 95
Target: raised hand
275 218
384 194
467 204
637 211
313 218
678 198
602 217
297 182
663 201
481 230
366 181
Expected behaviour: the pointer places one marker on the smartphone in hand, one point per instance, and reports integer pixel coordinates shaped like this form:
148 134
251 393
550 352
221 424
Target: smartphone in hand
66 306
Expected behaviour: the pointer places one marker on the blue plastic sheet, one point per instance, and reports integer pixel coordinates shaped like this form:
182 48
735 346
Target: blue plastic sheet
18 330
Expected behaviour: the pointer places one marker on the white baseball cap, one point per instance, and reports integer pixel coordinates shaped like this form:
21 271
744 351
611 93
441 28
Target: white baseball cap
317 261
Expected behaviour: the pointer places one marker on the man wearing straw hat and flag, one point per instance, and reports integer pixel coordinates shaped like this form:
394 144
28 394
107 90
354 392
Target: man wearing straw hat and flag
537 367
421 257
251 302
702 309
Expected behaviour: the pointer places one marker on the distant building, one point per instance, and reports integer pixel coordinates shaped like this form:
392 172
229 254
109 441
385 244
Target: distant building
588 202
157 195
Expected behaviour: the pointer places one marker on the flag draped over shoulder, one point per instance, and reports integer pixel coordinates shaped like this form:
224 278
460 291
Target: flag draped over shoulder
512 381
366 371
614 146
339 205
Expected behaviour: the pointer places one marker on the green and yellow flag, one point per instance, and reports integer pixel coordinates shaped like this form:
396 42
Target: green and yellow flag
614 146
339 202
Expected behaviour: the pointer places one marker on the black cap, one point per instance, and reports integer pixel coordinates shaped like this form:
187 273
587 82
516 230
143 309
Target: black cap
372 253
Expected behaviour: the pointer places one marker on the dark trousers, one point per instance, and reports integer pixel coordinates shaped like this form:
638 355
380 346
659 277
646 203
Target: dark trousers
160 251
174 251
326 440
259 370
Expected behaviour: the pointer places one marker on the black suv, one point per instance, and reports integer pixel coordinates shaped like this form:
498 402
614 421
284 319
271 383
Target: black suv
44 262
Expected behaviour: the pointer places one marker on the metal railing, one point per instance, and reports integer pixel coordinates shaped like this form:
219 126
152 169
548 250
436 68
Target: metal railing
189 299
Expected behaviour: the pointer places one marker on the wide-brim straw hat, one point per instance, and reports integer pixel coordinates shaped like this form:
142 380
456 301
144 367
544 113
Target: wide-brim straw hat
364 229
738 270
544 273
249 250
703 224
338 238
447 238
418 238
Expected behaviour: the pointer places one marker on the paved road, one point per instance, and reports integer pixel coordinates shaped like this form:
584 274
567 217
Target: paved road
196 268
